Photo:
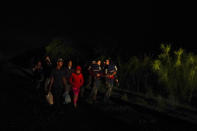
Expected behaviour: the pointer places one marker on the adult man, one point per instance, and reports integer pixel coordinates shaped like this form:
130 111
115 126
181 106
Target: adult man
110 72
90 77
97 72
58 82
38 76
47 67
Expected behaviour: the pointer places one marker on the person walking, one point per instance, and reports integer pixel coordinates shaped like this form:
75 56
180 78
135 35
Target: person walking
97 73
69 71
76 80
110 72
57 84
47 68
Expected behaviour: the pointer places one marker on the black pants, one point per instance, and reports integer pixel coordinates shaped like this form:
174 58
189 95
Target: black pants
57 93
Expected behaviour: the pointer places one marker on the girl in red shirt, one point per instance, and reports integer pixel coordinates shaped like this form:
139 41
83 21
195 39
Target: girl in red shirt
76 81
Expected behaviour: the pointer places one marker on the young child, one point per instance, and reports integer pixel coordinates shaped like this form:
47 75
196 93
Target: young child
76 81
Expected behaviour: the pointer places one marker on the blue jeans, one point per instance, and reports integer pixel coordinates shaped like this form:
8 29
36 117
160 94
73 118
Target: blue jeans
109 85
94 91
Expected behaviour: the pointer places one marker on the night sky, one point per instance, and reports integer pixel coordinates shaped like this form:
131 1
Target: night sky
140 27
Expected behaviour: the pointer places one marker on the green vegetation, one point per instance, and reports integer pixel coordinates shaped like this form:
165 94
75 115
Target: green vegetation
171 76
177 73
59 48
124 97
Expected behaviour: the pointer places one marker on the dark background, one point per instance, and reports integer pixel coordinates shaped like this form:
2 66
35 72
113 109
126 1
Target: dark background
133 28
123 26
136 28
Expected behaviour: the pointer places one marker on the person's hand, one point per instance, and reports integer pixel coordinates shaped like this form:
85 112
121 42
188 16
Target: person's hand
46 91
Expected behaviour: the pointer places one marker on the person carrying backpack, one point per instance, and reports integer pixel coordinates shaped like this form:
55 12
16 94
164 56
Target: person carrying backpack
110 73
97 73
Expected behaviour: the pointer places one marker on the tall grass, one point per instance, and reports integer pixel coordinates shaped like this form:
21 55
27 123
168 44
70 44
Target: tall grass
59 48
172 75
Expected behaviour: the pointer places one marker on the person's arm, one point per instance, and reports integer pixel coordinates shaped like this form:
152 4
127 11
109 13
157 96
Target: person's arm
116 69
99 72
115 72
71 79
106 73
34 69
51 84
65 82
42 76
82 80
90 68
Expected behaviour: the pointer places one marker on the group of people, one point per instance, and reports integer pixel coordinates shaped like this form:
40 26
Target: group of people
62 80
99 72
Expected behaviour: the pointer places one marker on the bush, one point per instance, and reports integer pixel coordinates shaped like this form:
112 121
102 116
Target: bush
161 103
124 97
177 73
59 48
171 75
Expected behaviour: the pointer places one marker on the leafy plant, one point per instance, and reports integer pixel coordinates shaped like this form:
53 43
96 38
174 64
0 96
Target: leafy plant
124 97
172 75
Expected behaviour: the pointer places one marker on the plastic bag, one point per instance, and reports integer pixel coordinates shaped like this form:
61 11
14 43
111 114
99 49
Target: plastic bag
49 98
67 98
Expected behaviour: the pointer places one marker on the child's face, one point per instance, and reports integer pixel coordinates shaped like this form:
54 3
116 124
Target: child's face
78 71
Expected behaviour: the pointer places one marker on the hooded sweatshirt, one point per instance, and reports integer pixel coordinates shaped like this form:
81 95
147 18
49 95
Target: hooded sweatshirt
76 80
